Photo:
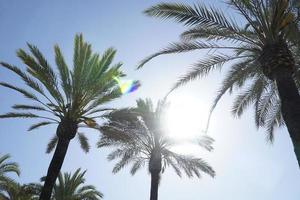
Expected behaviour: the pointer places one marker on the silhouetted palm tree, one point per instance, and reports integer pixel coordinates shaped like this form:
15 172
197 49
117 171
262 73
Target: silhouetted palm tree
69 98
263 56
71 187
139 137
6 168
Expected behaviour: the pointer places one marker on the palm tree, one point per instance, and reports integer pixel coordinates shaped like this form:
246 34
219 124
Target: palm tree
6 168
263 56
139 137
70 187
15 191
71 98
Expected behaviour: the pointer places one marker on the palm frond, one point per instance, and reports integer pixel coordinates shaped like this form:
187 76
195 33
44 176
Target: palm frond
41 71
20 90
19 115
38 125
217 34
196 15
250 95
138 163
181 47
206 142
30 82
237 76
264 104
83 142
126 158
7 167
63 72
203 68
28 107
192 166
52 144
274 120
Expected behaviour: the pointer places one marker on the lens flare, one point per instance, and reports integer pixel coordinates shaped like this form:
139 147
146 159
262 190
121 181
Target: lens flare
127 86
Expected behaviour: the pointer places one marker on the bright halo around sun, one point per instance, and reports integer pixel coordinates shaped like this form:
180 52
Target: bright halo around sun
186 117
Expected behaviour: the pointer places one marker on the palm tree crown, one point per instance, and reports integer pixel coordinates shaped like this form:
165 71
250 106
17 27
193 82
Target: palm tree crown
6 168
16 191
139 138
71 187
71 98
270 23
71 95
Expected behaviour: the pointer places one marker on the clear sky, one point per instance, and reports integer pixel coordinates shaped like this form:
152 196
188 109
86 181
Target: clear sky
247 167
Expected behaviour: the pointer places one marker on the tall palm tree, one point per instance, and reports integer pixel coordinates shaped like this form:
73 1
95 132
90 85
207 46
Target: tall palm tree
70 187
139 137
263 56
7 167
70 98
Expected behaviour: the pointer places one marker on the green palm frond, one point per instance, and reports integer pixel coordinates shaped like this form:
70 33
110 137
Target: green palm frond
27 107
63 72
20 115
83 142
215 34
23 192
29 81
192 15
38 125
52 144
20 90
39 69
71 186
181 47
6 168
203 68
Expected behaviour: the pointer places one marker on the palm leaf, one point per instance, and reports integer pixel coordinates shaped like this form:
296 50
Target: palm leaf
38 125
52 144
83 142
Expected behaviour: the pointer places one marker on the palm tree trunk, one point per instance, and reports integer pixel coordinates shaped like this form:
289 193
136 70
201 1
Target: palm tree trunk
54 168
290 105
278 64
154 185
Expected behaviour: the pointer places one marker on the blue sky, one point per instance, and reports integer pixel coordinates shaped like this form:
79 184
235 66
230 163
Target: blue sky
247 167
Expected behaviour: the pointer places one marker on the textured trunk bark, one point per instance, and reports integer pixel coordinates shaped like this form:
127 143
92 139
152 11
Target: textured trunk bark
290 105
154 185
54 168
65 132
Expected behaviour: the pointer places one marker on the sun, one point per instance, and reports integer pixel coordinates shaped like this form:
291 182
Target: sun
186 117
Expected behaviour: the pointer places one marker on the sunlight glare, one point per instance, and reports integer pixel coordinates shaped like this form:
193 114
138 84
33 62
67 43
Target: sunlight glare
186 117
